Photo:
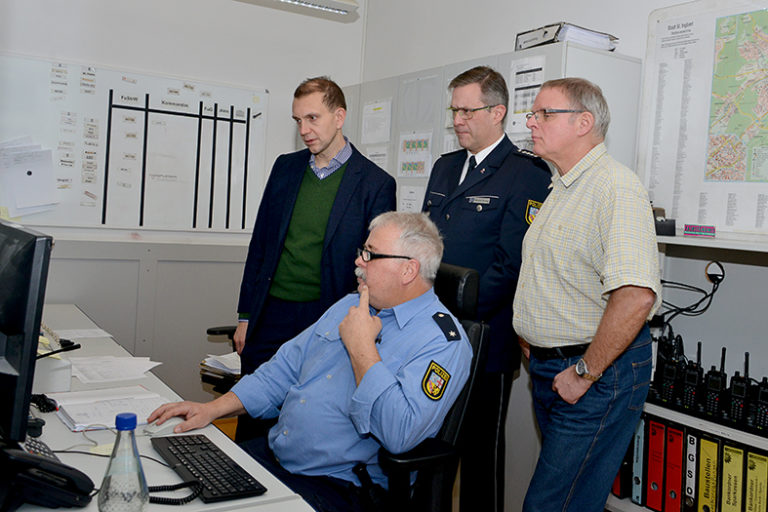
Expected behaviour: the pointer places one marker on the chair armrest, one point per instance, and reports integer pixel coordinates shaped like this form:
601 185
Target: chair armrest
432 455
430 452
224 330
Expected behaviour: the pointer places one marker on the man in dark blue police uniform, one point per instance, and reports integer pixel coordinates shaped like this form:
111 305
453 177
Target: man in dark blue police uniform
483 198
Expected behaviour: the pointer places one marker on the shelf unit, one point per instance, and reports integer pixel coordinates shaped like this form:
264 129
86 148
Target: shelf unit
733 241
615 504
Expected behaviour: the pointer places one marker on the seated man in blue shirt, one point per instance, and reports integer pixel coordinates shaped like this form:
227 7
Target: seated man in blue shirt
381 368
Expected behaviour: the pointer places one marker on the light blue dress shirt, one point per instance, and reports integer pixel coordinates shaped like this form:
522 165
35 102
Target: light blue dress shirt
335 163
326 423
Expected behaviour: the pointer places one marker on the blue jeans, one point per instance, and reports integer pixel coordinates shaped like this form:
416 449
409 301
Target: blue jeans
583 444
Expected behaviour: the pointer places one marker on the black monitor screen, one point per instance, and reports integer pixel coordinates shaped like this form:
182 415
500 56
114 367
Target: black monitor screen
24 256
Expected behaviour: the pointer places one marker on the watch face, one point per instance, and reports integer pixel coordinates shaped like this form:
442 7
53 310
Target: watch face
581 367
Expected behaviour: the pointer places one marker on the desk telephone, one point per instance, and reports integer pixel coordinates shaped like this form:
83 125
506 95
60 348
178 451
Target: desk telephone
38 480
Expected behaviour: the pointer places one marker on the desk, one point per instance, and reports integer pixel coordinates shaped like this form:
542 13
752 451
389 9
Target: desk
278 497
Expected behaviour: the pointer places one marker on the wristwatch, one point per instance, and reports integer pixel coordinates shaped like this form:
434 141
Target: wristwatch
583 371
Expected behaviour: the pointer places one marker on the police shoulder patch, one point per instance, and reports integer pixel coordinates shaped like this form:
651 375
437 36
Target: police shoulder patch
531 210
435 381
447 325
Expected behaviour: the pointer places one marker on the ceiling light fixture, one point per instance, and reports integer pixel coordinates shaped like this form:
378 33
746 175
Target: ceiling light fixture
342 7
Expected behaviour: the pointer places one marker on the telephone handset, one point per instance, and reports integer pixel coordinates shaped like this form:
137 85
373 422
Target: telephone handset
41 481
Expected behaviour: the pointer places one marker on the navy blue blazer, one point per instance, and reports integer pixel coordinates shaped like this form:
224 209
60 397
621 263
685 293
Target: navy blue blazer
483 222
364 192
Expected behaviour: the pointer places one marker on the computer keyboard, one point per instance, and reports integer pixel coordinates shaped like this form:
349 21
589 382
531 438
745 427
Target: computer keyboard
196 457
37 447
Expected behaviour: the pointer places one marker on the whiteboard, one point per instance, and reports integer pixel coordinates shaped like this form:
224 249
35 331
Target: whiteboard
138 151
703 137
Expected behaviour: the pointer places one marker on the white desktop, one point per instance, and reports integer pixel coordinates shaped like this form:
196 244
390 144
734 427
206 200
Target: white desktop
57 436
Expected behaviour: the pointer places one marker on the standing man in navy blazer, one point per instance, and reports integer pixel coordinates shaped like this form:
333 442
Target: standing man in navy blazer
483 198
313 216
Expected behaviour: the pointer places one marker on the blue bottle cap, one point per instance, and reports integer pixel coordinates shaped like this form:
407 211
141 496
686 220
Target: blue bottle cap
125 421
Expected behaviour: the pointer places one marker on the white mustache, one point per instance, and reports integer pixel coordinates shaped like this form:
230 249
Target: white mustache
359 272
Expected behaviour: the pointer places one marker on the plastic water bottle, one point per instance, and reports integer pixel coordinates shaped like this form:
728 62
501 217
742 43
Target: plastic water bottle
124 488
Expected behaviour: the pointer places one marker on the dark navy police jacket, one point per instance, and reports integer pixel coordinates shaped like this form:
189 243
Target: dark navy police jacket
483 222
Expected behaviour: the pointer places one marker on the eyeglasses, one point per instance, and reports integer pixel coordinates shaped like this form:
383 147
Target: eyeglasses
546 112
468 113
367 255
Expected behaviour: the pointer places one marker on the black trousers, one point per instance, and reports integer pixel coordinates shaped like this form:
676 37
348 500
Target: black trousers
323 493
483 453
279 321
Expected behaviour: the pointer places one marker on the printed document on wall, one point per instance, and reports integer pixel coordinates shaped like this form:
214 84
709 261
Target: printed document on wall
411 198
415 155
377 119
525 78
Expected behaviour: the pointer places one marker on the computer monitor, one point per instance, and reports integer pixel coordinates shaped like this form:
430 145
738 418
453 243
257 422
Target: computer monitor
24 257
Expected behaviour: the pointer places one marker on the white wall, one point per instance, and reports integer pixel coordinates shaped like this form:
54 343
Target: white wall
406 35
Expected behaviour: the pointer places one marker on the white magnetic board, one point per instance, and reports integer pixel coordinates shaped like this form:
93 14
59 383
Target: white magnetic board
137 151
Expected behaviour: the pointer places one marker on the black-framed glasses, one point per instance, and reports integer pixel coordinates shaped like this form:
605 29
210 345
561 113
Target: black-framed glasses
367 255
468 113
546 112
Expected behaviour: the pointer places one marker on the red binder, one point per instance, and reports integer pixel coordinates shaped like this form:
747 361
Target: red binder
654 477
673 479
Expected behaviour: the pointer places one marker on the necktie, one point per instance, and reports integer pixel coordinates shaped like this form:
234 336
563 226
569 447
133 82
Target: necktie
472 165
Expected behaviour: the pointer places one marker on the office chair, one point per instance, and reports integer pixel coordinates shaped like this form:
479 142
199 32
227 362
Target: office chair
437 459
221 383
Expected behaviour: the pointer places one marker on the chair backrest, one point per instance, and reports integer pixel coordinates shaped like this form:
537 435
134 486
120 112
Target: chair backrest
457 288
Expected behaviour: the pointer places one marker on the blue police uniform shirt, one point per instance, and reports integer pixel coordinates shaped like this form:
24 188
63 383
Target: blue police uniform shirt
327 424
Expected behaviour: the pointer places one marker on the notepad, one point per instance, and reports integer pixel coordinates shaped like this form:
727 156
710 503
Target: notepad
96 409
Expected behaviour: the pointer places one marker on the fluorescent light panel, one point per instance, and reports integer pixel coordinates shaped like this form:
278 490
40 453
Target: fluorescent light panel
342 7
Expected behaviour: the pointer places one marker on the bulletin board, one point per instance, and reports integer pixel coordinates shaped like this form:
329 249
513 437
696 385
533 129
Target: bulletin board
128 149
703 135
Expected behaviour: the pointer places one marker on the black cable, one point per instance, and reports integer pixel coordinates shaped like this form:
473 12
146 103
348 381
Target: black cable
159 500
696 308
197 489
108 456
62 349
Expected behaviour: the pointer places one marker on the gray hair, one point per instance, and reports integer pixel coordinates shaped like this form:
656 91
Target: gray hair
419 238
584 95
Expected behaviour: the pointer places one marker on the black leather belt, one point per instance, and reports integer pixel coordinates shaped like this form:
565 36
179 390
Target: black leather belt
563 352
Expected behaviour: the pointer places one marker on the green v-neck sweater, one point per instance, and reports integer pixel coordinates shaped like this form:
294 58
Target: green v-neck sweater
297 277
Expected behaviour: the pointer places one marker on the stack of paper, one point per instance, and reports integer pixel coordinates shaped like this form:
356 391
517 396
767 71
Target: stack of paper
96 409
226 365
97 369
27 181
563 31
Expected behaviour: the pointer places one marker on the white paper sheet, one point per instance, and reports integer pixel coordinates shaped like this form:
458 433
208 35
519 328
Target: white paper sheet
377 119
415 155
411 198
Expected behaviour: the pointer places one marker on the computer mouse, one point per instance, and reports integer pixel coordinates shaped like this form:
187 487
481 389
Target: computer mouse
153 429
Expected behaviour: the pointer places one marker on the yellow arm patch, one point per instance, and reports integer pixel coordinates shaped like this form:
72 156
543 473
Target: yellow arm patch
531 210
435 381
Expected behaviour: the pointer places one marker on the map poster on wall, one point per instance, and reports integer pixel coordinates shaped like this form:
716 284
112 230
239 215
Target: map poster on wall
706 160
136 151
